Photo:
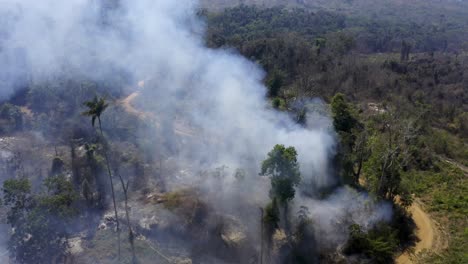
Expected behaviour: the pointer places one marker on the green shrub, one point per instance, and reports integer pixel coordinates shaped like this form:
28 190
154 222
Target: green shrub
379 244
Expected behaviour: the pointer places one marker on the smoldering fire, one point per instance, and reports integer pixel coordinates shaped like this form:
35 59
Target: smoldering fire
217 93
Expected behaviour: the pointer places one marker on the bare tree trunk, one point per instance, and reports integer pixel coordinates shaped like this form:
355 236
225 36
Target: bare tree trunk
357 174
380 189
112 188
131 235
287 227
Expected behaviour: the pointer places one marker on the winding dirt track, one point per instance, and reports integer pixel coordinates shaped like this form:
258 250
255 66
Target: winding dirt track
425 232
430 237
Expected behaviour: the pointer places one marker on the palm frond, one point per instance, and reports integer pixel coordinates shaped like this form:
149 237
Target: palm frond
95 108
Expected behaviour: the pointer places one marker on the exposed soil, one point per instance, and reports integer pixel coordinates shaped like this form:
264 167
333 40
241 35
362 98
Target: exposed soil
426 232
179 128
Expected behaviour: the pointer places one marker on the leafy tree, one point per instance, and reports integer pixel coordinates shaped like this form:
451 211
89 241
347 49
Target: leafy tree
391 155
343 119
275 82
353 149
60 196
283 168
17 196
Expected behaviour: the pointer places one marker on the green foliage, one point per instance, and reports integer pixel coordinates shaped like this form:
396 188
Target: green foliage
60 196
95 108
250 22
378 244
272 215
447 145
397 146
343 119
39 221
444 191
358 54
382 33
353 150
283 168
17 196
383 169
274 83
322 53
278 103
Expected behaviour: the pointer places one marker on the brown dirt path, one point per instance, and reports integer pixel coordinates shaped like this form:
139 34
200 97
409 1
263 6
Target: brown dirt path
126 103
426 232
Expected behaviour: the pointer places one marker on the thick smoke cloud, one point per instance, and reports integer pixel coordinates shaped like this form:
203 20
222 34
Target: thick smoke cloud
160 40
217 93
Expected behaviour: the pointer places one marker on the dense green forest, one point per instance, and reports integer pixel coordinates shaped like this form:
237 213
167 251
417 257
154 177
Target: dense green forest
173 152
317 54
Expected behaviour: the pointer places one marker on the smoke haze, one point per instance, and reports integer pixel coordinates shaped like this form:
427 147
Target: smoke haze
217 93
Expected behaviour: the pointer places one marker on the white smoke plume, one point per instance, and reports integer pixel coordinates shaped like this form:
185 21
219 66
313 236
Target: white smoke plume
161 40
217 93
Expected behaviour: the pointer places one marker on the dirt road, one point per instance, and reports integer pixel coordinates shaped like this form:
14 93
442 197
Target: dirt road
425 232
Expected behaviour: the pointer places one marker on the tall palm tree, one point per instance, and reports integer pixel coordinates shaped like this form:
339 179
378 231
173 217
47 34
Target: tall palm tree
95 108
